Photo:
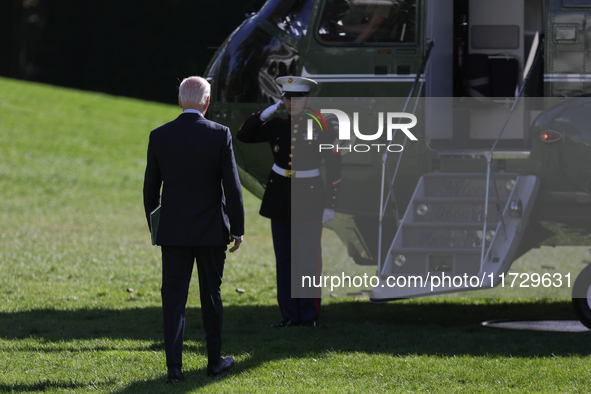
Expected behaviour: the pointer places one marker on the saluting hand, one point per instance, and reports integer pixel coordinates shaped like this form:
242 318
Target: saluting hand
266 114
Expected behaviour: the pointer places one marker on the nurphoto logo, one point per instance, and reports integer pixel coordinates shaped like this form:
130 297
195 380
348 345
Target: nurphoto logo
394 121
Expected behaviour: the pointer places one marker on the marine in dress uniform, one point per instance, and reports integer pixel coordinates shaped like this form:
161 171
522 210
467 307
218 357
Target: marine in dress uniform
296 225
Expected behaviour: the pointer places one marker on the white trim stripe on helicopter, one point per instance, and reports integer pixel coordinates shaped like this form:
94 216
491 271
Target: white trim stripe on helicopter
361 77
567 77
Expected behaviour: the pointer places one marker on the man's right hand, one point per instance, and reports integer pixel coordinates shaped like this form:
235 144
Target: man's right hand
267 113
237 242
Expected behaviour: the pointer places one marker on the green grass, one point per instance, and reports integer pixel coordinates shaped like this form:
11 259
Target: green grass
80 300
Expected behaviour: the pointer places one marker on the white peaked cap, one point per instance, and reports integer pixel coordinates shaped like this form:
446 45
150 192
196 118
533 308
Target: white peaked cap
292 84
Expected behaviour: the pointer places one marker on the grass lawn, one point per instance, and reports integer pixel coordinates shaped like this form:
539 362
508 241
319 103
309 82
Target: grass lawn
80 285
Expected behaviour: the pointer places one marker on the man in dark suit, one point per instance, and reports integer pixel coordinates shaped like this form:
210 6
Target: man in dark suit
201 212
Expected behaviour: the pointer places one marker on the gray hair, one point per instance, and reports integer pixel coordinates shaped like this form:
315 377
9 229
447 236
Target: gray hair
194 90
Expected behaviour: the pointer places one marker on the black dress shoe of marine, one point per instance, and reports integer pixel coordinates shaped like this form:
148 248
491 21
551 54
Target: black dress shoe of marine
285 324
309 323
174 375
225 365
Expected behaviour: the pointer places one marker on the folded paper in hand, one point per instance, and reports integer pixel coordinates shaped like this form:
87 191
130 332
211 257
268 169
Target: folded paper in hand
154 221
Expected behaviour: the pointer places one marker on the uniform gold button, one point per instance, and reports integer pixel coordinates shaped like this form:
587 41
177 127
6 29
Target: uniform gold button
294 139
334 197
309 143
311 187
290 155
295 126
289 164
295 131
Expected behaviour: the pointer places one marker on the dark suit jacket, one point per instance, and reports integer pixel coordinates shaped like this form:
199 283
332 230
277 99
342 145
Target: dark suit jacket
193 158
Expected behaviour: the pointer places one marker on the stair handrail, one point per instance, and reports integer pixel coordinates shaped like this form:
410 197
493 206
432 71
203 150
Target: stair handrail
385 168
384 160
489 157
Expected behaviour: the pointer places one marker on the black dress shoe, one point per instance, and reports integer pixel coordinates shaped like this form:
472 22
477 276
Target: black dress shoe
309 323
174 375
225 365
285 324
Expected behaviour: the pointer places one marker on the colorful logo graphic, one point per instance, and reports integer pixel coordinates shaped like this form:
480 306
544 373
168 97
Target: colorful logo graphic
317 117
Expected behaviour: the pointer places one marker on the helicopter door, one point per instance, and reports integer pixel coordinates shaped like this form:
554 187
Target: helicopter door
488 56
495 53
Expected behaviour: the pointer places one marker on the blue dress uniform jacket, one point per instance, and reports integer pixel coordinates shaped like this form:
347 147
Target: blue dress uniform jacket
293 151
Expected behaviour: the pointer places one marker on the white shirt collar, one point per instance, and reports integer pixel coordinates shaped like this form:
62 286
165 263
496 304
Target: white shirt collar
192 111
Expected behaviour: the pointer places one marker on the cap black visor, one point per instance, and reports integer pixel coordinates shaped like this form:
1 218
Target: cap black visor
295 94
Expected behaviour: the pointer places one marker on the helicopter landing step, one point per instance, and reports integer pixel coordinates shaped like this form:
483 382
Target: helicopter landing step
439 243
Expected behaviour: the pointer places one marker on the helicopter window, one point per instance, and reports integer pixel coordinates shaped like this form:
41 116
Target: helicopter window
576 3
292 16
359 21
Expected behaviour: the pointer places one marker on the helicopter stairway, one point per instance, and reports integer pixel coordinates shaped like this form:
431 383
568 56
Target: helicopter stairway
439 248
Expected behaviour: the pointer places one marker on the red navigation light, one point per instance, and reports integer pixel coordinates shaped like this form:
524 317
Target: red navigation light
550 136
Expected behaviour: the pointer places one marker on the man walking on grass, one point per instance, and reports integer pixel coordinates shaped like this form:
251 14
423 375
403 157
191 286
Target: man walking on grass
201 213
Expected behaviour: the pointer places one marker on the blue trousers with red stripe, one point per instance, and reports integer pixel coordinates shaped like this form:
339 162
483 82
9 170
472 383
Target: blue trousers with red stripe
297 244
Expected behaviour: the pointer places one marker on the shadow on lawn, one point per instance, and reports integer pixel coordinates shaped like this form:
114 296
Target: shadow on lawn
444 329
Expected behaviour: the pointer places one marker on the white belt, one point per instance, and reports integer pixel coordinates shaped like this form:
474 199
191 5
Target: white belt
296 174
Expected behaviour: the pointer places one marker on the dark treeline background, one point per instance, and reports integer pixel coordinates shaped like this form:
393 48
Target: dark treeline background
123 47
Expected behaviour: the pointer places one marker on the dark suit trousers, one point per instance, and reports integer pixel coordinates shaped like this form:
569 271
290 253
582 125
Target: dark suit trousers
177 267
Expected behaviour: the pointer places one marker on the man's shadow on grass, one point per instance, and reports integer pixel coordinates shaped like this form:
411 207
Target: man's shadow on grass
444 329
